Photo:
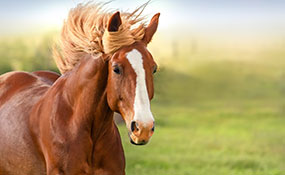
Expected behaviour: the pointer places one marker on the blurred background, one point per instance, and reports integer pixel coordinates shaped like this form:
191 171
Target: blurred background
220 92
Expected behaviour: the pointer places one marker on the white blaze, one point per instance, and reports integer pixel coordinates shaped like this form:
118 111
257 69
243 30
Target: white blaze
141 104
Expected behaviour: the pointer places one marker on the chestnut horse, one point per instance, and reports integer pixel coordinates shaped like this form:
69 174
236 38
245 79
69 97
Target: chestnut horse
63 125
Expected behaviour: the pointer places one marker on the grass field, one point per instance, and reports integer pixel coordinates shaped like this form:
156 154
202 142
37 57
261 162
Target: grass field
212 131
211 141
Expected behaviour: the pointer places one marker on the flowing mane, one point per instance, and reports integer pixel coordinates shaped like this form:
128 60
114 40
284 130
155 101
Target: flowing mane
85 31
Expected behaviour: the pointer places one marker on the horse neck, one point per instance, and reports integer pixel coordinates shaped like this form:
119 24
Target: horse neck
86 93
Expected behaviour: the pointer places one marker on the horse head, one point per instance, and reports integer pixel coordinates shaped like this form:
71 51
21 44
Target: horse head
130 82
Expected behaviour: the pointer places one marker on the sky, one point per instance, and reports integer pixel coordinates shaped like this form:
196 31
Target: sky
205 16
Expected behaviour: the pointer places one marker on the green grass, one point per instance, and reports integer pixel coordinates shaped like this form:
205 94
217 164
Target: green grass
216 141
26 53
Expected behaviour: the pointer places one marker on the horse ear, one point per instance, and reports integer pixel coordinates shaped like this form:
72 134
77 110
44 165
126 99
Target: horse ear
114 22
151 28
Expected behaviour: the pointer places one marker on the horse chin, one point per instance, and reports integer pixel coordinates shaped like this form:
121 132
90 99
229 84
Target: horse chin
136 143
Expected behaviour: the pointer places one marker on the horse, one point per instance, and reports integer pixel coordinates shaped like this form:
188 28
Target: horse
52 124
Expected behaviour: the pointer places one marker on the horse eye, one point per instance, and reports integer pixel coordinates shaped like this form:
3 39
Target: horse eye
117 70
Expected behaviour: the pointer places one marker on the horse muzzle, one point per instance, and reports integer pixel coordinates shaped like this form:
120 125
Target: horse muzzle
141 132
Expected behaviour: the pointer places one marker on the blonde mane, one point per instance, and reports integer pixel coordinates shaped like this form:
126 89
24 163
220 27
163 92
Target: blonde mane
85 31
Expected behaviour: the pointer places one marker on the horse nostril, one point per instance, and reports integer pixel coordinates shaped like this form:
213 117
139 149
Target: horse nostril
133 126
152 129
